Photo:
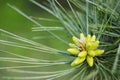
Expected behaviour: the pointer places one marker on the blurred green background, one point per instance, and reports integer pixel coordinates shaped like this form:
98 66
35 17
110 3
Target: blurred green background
13 22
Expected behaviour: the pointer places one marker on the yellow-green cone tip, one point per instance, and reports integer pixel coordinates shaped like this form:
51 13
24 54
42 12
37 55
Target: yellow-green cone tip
82 36
77 61
82 54
75 40
90 61
93 38
73 51
72 45
99 52
91 53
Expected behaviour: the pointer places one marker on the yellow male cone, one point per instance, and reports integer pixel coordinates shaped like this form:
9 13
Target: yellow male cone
82 54
77 61
72 45
92 45
84 48
82 36
75 40
88 39
73 51
91 53
99 52
90 61
93 38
